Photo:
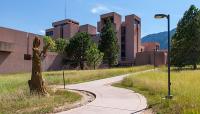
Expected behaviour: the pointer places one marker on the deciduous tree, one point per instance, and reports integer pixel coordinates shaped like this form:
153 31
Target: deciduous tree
94 56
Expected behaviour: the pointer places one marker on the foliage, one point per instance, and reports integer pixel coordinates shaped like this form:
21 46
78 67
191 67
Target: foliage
77 48
49 40
185 43
94 56
60 44
109 44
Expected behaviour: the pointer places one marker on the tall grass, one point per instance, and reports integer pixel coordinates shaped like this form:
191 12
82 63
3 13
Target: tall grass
15 97
185 89
78 76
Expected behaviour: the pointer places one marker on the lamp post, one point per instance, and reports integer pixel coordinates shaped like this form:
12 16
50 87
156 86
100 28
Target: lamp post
160 16
154 58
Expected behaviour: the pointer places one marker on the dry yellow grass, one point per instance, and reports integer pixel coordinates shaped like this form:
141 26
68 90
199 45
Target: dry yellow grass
14 91
185 88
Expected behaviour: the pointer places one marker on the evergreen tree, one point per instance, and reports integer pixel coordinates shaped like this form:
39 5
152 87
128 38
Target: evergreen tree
109 44
186 41
77 48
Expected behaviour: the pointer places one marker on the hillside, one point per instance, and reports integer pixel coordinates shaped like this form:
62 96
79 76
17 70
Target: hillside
158 37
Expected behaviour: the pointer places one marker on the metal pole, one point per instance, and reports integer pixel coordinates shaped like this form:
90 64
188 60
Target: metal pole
64 78
169 83
154 58
65 9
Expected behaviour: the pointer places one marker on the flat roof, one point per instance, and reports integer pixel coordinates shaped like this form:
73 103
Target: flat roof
88 25
65 21
109 14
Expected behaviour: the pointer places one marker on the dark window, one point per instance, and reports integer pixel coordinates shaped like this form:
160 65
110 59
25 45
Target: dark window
136 22
123 55
49 33
123 47
123 34
27 57
61 32
112 19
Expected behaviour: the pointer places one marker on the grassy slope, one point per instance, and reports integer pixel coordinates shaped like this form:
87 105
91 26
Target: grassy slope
185 89
14 92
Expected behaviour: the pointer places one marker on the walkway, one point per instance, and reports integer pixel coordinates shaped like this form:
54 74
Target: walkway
109 99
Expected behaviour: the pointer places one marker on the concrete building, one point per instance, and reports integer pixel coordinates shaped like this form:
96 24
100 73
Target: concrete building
16 46
68 28
116 20
151 54
128 33
88 28
16 51
150 46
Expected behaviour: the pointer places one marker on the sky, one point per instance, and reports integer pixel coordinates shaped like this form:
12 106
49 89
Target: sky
37 15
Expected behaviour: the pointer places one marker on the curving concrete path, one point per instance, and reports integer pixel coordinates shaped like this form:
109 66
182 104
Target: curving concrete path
109 99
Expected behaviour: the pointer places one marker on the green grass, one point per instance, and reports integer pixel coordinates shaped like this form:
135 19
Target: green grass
153 85
15 97
78 76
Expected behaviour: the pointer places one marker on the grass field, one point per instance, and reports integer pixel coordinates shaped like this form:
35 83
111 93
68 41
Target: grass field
14 91
153 85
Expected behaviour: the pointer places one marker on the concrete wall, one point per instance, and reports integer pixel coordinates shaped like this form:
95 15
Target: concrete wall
64 29
70 30
92 30
132 26
147 58
13 61
150 46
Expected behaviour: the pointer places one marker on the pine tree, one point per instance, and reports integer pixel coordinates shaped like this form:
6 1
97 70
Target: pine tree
109 44
186 41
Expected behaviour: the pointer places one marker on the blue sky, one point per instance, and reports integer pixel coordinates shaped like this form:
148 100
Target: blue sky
37 15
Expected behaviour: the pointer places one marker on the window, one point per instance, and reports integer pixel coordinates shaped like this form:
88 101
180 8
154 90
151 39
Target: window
112 19
49 33
123 47
61 32
123 34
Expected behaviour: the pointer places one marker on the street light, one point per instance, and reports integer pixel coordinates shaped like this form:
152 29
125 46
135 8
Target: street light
160 16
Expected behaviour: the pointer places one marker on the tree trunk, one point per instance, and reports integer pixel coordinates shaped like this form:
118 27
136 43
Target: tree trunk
82 65
195 66
36 84
94 65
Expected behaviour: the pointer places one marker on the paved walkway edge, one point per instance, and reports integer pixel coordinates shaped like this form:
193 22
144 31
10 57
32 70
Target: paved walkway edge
109 99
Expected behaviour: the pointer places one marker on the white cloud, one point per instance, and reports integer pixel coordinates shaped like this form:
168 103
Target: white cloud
99 8
42 32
